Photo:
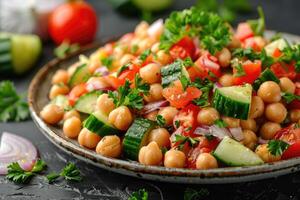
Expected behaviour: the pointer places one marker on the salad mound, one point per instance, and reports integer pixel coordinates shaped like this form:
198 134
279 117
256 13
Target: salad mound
189 92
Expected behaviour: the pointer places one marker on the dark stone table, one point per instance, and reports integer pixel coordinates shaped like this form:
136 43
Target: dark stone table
101 184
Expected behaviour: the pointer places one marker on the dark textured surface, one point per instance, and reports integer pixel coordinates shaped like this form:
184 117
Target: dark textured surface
101 184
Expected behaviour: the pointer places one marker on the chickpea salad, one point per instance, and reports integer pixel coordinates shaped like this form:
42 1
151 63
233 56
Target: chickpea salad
187 92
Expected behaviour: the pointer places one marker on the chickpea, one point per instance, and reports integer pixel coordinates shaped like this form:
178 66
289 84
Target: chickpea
249 124
276 112
224 57
88 139
287 85
155 93
295 115
226 80
150 154
150 73
234 43
161 136
206 161
268 130
257 107
155 47
109 146
120 117
231 122
145 44
163 58
207 116
168 113
61 76
72 127
58 89
141 29
250 139
93 65
52 114
174 159
263 152
152 115
269 91
105 104
126 59
71 113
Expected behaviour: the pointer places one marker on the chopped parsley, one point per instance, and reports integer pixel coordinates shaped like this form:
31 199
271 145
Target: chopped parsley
185 82
188 62
107 61
123 68
291 53
289 97
141 194
183 139
205 86
277 147
258 25
177 123
145 54
250 54
209 27
160 120
239 69
70 173
193 194
220 123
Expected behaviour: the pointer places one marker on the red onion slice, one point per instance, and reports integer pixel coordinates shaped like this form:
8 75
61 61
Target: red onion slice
102 70
237 133
200 130
154 106
16 149
219 132
156 27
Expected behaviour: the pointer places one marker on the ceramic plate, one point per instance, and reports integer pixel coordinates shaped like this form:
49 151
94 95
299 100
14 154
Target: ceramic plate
37 98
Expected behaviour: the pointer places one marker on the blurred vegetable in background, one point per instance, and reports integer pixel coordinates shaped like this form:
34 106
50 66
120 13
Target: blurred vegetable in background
75 21
227 9
18 53
65 48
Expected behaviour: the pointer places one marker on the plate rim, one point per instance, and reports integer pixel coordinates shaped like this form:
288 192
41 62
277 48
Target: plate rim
132 168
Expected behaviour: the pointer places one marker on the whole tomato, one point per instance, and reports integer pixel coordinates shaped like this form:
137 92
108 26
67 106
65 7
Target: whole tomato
75 21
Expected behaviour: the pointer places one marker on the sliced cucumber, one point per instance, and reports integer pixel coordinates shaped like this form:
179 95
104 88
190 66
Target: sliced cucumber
233 101
97 123
266 75
61 101
280 44
5 56
233 153
136 137
87 102
80 75
173 72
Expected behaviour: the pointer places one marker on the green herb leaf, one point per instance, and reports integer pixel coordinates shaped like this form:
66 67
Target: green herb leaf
220 123
209 137
12 106
188 62
17 174
145 54
160 120
258 25
71 173
177 123
277 147
123 68
134 48
193 194
239 70
52 177
181 140
289 97
39 166
141 194
140 86
185 82
107 61
205 86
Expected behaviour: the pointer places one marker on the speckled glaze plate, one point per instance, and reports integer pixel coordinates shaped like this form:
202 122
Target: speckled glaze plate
37 98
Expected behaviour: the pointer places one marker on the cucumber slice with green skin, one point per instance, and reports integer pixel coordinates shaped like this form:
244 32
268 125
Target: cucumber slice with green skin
233 153
136 137
233 101
280 44
81 75
61 101
97 123
6 66
173 72
266 75
87 102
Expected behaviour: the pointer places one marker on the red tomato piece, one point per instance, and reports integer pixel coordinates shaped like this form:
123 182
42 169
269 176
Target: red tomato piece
244 31
75 21
183 48
207 64
178 97
76 92
292 151
284 70
252 71
113 81
128 73
251 43
277 53
288 134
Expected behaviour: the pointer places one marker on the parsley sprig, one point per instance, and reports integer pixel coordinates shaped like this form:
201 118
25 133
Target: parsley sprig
181 140
213 32
205 85
141 194
12 105
289 97
70 173
19 175
160 120
250 54
130 97
193 194
220 123
277 147
291 53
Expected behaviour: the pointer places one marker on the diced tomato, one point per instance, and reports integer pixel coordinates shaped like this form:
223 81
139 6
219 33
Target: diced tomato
113 81
186 147
292 151
295 104
204 146
178 97
288 134
183 49
252 43
252 71
128 73
244 31
76 92
187 118
277 53
284 70
204 65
